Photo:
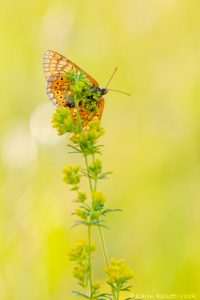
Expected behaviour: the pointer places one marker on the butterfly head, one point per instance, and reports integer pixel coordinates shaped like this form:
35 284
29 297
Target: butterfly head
103 91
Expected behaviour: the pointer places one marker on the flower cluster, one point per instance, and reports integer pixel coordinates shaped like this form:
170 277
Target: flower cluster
86 141
82 88
72 176
79 255
118 275
62 120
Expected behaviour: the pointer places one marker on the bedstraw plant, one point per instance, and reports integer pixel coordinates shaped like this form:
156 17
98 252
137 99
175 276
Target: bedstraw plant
91 208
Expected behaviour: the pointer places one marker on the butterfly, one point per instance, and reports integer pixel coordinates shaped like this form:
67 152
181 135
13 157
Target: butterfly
59 90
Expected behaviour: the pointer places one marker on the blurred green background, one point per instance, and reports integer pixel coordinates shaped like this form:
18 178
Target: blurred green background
152 143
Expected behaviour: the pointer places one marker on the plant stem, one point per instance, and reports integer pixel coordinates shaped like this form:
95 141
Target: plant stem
76 101
87 167
101 235
117 295
102 239
89 262
103 245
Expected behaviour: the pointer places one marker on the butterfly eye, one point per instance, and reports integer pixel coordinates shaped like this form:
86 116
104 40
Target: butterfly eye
61 78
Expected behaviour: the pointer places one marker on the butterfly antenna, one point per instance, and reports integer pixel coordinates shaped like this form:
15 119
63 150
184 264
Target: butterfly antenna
128 94
111 76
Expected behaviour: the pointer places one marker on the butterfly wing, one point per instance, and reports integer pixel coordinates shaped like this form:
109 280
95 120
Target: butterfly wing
54 65
58 87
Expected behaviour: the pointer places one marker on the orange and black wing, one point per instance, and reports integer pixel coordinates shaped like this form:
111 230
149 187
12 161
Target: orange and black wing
58 87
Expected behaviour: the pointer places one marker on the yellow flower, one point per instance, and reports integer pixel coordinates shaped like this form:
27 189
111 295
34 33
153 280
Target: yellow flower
79 255
72 175
118 273
98 200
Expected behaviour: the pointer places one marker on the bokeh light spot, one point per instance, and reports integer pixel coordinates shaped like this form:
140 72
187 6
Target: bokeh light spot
18 147
40 125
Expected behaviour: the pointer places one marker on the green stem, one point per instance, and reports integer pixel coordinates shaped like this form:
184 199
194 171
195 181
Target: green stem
95 185
117 295
90 262
103 245
101 235
77 106
89 236
114 294
87 167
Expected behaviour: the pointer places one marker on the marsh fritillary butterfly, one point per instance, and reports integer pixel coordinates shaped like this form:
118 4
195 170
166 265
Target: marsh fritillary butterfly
58 89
